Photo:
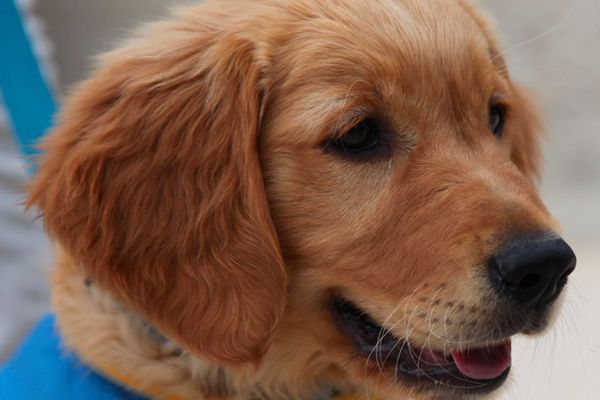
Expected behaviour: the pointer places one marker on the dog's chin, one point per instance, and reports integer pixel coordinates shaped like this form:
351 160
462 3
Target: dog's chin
445 374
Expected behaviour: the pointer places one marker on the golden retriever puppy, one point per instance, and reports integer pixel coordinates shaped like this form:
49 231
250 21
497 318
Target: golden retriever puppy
301 199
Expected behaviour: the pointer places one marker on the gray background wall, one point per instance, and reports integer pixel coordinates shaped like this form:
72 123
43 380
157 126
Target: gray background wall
562 65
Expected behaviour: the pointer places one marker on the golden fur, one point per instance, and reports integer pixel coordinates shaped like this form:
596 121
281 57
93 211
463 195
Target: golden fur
186 180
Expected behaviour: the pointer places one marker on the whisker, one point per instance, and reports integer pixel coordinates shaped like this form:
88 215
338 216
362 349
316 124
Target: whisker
543 34
383 332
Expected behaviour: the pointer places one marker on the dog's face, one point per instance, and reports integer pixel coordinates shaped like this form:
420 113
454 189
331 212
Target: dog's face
398 166
397 207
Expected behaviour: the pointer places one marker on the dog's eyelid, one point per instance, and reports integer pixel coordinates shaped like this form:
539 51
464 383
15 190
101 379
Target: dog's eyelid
373 143
498 98
342 129
346 120
497 114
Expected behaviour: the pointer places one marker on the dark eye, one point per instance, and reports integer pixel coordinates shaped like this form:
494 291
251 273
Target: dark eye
363 137
497 116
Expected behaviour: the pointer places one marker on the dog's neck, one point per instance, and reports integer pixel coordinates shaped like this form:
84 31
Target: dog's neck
120 344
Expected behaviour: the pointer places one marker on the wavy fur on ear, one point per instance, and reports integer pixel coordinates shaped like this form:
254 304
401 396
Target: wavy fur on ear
529 129
151 180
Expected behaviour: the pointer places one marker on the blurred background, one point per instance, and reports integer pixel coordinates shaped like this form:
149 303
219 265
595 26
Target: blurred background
552 46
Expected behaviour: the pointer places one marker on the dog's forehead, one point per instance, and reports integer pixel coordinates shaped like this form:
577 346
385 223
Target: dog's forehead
377 33
377 51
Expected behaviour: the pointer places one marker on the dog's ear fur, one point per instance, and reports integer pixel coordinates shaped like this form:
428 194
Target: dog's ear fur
527 132
151 181
528 127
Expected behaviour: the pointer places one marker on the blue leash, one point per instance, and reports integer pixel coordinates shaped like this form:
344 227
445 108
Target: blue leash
25 93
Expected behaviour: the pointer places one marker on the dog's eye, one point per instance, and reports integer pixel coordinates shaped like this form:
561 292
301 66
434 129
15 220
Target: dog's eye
363 137
497 116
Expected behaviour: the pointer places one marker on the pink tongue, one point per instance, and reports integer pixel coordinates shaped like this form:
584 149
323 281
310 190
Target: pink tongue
484 363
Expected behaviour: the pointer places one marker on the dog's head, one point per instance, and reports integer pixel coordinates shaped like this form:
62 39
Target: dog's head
353 179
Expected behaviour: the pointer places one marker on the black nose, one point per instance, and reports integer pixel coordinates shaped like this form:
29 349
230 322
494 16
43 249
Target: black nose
533 271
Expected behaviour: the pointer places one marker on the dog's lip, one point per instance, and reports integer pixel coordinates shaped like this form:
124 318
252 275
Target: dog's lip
476 370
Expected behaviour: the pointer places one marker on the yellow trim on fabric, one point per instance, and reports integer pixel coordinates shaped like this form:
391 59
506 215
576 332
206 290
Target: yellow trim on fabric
155 392
133 385
349 397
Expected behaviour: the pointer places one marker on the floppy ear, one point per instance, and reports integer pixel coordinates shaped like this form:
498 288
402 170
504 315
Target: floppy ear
527 132
528 127
151 181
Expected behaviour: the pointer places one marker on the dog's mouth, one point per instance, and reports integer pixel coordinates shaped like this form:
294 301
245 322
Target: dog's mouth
474 370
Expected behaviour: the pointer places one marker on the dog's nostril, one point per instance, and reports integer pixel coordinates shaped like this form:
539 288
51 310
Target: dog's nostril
565 276
533 271
530 281
563 279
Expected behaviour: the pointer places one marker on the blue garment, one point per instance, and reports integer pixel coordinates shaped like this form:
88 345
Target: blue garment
42 369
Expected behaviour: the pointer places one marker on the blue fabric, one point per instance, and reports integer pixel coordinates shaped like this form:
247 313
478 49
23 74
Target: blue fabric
24 91
43 370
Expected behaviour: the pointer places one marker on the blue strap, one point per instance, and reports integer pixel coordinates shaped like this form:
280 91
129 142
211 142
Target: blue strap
42 369
25 92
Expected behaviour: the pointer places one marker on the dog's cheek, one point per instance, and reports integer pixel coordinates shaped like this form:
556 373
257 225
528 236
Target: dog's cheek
321 204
